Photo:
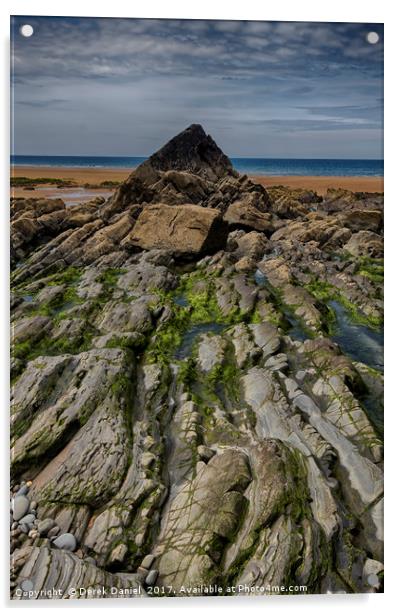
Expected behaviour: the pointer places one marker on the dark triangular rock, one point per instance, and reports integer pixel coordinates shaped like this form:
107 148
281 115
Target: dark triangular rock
192 169
191 150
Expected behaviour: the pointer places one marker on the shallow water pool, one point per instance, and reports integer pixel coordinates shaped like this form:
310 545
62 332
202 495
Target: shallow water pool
359 342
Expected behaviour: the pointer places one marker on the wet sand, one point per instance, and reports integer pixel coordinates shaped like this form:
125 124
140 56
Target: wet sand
84 175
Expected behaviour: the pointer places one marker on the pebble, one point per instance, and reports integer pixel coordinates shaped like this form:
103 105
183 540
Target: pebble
152 577
53 532
44 526
23 490
119 552
142 573
65 541
24 528
148 561
27 519
20 507
33 505
139 539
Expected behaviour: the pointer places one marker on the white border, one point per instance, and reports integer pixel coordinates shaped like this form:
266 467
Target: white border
295 10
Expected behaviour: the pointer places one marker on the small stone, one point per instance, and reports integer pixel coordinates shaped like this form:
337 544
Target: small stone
23 490
53 532
28 519
148 561
66 541
20 507
371 570
15 532
44 526
14 525
29 483
119 552
152 577
142 573
139 539
24 528
33 505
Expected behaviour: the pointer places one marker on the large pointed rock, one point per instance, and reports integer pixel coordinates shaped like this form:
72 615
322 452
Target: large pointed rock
190 168
191 150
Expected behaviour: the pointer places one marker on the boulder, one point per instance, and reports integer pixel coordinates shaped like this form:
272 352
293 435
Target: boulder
359 220
182 229
253 245
365 243
245 213
66 541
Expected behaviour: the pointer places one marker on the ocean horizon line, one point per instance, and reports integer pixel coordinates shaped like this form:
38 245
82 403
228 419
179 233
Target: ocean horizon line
348 167
116 156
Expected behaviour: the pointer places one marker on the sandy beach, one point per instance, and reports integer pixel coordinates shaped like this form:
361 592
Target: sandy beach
321 183
84 175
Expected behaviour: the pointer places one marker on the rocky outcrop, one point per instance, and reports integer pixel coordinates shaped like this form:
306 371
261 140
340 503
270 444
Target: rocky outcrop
193 151
190 170
192 407
44 573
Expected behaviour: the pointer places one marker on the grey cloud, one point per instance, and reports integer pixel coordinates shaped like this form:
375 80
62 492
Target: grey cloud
119 86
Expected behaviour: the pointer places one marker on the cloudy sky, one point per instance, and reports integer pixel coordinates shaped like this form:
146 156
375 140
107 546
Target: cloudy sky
122 87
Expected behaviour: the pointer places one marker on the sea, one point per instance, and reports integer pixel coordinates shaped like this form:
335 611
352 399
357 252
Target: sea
250 166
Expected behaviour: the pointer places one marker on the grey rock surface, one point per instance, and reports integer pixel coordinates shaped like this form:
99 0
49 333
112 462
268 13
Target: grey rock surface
197 408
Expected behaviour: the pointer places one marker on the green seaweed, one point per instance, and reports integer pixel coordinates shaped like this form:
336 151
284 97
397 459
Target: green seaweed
324 292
